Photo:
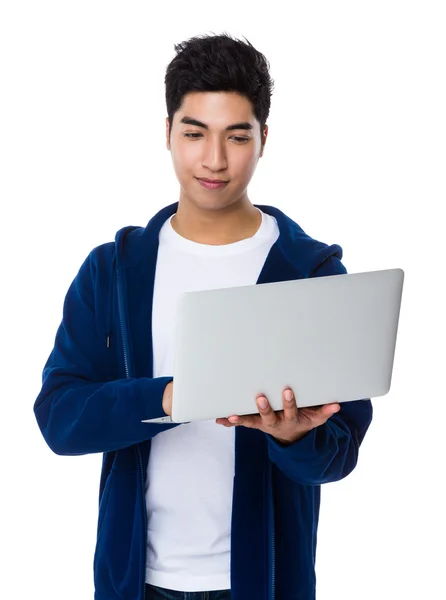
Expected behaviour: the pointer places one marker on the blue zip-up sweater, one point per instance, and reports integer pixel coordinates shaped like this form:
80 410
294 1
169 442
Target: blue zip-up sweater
98 385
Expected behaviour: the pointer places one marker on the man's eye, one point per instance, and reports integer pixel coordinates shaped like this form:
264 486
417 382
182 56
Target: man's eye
237 138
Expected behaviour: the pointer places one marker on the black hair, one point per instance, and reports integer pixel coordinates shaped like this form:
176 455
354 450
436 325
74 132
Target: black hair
215 63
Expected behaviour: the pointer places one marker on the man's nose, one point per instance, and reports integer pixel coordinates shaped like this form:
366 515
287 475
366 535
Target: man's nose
214 157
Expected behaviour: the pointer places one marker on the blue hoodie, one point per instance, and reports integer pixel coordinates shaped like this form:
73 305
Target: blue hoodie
98 385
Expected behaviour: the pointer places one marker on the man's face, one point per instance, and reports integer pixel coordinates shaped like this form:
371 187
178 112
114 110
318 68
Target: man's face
211 151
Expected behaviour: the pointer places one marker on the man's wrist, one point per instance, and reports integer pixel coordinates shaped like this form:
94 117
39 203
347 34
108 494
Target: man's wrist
295 439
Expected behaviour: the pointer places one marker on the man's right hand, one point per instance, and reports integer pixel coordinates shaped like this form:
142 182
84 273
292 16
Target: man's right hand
167 399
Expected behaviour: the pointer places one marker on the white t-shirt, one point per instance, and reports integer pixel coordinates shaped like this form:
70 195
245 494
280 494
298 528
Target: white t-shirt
191 467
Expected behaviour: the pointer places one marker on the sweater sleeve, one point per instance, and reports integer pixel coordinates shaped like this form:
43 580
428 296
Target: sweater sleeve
79 410
329 452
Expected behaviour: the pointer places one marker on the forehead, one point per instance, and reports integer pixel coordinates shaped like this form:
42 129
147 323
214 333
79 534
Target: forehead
216 109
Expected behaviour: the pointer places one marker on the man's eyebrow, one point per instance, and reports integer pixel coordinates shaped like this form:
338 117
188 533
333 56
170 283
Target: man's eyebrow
191 121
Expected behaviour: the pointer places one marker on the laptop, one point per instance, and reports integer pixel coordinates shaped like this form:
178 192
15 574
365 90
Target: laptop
330 339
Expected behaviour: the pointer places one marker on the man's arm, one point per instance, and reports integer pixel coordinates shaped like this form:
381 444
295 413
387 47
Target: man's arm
79 410
326 453
329 452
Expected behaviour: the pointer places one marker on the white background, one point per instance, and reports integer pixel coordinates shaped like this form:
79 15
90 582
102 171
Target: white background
356 155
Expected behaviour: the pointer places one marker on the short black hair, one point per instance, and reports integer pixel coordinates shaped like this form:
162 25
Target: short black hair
219 63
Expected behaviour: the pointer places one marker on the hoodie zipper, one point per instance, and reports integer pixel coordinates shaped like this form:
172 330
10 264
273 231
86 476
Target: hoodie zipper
145 522
273 569
120 309
127 374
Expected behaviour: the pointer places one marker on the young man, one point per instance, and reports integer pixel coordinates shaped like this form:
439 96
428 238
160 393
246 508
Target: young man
215 509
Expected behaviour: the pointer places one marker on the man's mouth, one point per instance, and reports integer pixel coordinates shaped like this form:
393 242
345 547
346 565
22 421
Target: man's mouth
212 184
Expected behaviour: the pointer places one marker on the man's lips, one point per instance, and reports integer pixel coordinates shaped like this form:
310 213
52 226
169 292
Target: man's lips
212 185
212 180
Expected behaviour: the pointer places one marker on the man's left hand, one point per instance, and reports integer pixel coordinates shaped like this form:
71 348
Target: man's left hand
287 425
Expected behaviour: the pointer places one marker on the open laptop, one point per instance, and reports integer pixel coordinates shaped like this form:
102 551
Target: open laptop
330 339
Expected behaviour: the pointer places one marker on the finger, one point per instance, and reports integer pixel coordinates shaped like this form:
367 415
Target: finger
268 416
234 419
252 421
330 409
320 415
224 422
289 406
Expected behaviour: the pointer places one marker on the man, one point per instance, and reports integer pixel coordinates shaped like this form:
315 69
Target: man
215 509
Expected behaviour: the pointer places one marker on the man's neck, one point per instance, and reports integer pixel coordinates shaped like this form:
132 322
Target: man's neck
217 228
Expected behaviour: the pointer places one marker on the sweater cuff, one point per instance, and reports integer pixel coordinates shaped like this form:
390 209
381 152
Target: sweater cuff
301 447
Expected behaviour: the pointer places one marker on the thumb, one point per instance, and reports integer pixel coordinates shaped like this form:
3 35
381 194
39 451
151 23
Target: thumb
330 409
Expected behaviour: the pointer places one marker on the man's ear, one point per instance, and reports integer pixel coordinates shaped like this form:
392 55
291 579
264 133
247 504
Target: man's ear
167 134
264 136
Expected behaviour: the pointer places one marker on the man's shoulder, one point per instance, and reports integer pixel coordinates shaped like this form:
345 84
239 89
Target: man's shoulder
106 251
302 250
